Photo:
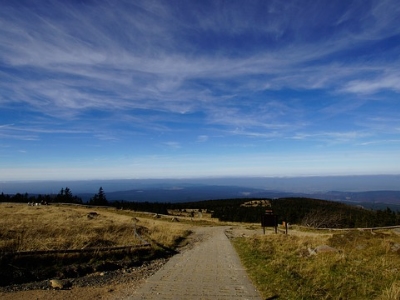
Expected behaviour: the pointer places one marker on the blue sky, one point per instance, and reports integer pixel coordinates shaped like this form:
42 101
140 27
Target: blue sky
175 89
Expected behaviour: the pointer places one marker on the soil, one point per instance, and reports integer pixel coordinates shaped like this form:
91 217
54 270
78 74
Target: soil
99 285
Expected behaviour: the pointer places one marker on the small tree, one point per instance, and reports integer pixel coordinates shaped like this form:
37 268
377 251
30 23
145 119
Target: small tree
99 198
319 218
66 196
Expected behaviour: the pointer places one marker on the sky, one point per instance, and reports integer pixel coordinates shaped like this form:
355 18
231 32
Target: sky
185 89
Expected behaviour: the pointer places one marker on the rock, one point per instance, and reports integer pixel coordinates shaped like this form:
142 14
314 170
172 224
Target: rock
321 249
59 284
325 249
92 215
395 247
311 252
56 284
360 247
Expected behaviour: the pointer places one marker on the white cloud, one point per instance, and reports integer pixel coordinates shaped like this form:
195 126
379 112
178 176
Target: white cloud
333 137
380 142
173 145
202 138
388 82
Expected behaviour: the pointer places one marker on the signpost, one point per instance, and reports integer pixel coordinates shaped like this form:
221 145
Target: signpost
269 219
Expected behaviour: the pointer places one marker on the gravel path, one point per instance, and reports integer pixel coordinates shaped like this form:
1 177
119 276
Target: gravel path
211 269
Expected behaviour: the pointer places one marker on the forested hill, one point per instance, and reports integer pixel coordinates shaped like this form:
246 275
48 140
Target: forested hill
304 211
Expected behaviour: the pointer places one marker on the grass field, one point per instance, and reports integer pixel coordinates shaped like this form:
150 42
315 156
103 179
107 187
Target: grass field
366 265
59 227
51 227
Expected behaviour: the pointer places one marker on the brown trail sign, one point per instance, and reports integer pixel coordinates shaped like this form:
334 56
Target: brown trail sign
269 219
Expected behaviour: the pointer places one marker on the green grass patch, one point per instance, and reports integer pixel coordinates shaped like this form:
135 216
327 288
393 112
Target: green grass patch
365 266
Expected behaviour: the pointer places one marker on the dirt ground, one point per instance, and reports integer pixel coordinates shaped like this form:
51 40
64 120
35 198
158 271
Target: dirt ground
103 285
75 293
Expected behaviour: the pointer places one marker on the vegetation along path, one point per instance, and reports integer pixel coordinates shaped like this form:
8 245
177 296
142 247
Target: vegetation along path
209 270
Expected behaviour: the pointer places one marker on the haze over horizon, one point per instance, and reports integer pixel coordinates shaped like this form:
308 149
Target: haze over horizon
299 185
189 89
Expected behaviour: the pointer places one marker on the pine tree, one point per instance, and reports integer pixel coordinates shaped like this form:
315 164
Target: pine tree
99 198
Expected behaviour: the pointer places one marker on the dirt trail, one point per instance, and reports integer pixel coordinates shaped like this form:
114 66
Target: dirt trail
210 270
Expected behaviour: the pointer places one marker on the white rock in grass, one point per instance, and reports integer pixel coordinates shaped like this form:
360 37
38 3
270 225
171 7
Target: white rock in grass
59 284
56 284
325 249
311 252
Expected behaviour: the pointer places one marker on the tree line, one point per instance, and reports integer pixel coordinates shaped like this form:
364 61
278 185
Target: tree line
64 196
308 212
303 211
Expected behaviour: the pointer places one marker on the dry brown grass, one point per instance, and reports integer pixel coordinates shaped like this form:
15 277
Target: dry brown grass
165 232
392 292
24 228
365 266
62 227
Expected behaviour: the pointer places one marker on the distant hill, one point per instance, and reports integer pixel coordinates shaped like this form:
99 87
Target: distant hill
191 193
306 184
371 191
370 199
183 193
392 197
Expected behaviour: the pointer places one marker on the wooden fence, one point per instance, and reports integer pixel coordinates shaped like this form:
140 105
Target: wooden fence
84 250
349 229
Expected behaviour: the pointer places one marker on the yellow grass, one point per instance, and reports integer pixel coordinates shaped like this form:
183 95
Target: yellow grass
24 228
365 265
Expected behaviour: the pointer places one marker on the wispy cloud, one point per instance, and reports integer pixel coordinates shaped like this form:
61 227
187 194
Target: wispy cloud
333 137
120 72
202 138
173 145
268 70
386 82
380 142
11 132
